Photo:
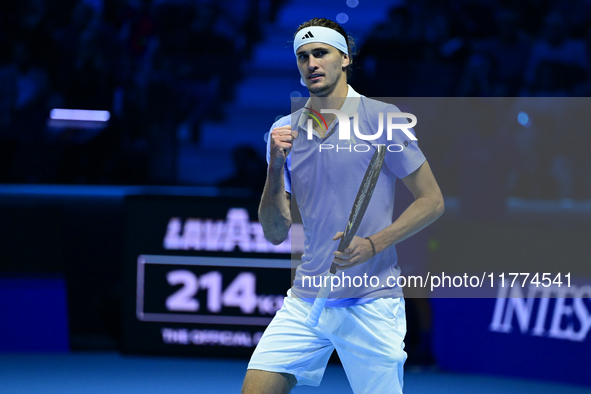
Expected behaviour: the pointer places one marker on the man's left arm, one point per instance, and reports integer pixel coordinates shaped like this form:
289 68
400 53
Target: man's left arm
426 208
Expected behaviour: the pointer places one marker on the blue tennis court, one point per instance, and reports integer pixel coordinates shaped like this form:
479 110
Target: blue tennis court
113 373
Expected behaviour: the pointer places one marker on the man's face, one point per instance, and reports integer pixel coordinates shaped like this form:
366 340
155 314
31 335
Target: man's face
321 67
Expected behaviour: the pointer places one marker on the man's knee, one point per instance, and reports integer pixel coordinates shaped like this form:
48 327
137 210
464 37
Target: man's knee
265 382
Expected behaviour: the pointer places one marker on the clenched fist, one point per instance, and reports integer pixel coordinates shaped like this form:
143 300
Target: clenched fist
281 141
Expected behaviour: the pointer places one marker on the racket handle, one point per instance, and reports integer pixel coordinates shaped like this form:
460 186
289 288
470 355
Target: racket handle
319 302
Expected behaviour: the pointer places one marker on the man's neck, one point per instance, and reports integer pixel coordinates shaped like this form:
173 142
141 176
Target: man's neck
334 100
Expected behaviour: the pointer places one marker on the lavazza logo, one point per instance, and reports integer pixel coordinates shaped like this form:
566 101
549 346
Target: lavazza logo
345 130
566 317
236 231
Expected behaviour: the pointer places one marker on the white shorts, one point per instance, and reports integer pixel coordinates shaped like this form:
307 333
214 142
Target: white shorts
369 339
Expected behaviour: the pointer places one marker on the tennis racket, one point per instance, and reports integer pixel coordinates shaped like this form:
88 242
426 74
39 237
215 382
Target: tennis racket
359 207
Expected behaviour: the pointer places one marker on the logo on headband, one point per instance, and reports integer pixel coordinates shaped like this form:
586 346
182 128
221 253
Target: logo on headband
308 35
316 119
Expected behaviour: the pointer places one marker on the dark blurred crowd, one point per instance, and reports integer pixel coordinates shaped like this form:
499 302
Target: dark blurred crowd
160 67
493 48
487 48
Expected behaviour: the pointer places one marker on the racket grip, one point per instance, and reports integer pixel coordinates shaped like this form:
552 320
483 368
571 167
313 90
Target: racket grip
314 315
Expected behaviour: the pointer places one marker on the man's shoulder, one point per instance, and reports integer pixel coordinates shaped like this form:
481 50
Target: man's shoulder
376 105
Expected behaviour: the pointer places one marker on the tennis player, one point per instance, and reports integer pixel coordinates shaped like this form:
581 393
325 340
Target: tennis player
366 324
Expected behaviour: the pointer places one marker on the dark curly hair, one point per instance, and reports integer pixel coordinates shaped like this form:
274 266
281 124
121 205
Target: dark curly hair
323 22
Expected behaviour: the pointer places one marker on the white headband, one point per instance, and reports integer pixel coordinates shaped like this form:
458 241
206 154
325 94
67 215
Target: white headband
320 34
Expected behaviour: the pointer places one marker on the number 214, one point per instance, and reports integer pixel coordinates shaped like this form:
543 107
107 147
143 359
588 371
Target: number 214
240 293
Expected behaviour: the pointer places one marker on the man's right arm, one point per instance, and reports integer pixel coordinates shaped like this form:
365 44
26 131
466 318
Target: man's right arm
274 210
